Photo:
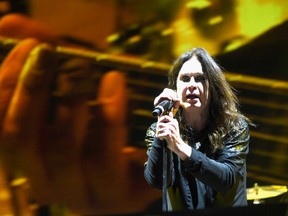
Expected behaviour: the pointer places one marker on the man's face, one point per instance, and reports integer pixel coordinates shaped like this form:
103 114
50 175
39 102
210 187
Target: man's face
192 86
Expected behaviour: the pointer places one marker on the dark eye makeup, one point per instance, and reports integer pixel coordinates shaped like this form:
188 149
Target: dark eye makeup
198 78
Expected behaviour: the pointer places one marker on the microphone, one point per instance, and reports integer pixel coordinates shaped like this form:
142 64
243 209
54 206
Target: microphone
162 107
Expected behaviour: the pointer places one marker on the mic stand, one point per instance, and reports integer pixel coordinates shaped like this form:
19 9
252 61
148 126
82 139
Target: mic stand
164 179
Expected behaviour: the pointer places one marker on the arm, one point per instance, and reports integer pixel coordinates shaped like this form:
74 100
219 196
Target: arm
222 172
154 166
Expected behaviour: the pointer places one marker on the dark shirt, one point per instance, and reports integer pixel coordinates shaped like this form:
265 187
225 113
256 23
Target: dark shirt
206 179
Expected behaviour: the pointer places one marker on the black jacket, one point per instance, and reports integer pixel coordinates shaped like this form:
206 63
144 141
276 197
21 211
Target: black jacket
205 179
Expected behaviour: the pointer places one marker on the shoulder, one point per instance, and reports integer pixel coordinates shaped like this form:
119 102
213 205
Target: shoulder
240 122
239 132
150 134
240 125
151 129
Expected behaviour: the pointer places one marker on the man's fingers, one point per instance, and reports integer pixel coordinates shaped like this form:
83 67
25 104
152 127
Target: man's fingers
24 119
20 26
10 71
28 107
166 94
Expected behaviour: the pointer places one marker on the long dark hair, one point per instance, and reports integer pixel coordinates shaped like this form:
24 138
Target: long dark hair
223 111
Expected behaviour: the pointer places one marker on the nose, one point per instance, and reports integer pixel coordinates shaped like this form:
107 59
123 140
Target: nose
192 84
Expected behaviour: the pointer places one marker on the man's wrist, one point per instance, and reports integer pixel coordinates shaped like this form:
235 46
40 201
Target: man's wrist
184 151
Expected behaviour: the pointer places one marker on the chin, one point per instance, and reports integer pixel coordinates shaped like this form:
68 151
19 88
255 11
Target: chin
191 106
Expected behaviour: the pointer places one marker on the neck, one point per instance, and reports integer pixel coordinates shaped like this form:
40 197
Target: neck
197 122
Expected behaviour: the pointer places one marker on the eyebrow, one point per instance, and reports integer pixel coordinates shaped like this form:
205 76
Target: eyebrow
194 73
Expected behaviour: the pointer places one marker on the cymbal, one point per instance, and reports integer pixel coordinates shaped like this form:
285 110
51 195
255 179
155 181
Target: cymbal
264 192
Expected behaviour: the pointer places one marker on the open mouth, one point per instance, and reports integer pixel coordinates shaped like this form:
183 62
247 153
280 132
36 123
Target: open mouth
192 97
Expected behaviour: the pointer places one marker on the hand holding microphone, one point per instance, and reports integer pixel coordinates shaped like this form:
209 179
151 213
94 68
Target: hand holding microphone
162 107
167 129
168 100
